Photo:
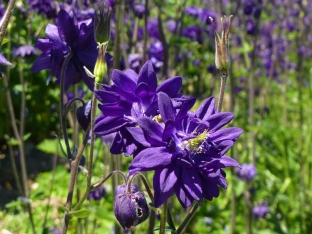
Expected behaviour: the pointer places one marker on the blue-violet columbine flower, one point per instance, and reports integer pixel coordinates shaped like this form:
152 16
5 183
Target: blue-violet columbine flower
247 172
186 150
130 97
131 208
67 37
260 211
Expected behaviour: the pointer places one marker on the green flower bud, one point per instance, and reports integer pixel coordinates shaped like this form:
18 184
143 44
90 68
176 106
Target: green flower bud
100 68
102 24
222 57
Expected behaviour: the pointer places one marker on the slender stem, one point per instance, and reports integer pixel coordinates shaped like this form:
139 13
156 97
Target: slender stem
73 174
117 36
151 223
103 180
15 173
223 77
90 161
188 218
135 35
72 101
51 189
164 44
163 218
6 19
145 182
145 33
62 112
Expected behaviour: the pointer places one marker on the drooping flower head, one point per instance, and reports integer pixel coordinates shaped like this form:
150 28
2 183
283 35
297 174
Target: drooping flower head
186 150
130 97
97 194
67 37
130 208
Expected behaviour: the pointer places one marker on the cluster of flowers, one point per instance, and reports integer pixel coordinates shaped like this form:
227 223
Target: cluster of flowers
153 123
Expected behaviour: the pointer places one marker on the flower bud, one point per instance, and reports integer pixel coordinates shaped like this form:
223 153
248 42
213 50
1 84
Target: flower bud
122 188
131 209
100 68
222 57
102 25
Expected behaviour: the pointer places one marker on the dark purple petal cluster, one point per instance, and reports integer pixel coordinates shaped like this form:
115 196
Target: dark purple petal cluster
131 97
67 37
44 7
154 123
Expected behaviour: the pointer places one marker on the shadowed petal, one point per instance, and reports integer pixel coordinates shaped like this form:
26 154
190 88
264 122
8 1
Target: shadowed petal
192 182
123 81
148 76
152 131
219 120
206 109
151 159
171 86
166 109
225 134
163 182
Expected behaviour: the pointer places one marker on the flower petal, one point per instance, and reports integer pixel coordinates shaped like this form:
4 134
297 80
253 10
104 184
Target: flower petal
219 120
170 86
225 134
148 76
192 182
152 131
166 109
151 159
206 109
163 182
123 81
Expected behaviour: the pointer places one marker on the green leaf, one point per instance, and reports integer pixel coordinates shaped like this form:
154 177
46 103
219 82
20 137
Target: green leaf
51 146
102 213
5 40
80 213
13 204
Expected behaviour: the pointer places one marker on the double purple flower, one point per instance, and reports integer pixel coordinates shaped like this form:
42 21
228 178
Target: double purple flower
186 150
67 37
131 97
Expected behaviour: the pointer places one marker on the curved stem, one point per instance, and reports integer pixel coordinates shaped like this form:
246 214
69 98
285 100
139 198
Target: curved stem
188 218
145 182
62 112
71 103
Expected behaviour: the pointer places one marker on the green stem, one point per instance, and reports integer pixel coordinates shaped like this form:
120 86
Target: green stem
163 218
188 218
223 77
62 111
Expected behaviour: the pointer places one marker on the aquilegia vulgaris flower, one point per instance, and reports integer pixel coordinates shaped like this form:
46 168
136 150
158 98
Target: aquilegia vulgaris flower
67 37
130 97
186 150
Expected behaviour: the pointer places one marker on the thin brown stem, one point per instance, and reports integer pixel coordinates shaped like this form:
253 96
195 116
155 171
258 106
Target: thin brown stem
6 19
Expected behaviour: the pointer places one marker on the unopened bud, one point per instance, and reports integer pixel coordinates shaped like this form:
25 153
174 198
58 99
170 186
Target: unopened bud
100 69
102 24
222 57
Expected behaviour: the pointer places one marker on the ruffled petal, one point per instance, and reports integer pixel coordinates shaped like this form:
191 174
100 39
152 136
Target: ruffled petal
147 75
166 109
170 86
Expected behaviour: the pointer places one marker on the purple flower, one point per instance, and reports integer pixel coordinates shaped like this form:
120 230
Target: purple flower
204 16
194 33
130 97
83 114
24 51
5 62
135 61
131 209
68 36
97 194
139 10
152 28
121 189
250 27
186 150
247 172
192 11
44 7
260 211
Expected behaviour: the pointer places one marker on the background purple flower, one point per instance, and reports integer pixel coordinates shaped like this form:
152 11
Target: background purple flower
68 36
247 172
